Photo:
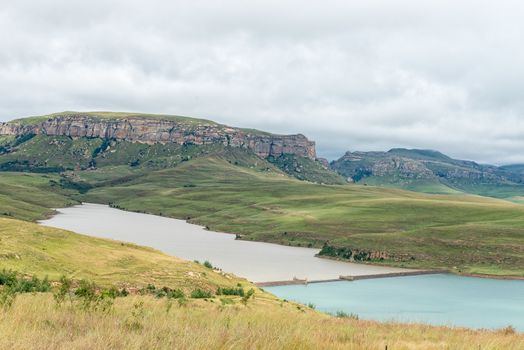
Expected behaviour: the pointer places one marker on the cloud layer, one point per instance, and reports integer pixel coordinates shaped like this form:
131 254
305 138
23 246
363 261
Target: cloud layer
352 75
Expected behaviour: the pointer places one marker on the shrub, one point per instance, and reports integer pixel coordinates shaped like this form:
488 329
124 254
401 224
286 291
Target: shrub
200 294
208 264
115 293
159 293
64 291
7 297
344 253
362 256
182 301
231 291
248 295
175 294
33 285
87 293
226 301
92 299
137 317
342 314
509 330
7 277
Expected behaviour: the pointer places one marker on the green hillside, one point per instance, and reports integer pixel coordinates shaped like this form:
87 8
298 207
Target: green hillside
232 189
430 172
458 232
31 249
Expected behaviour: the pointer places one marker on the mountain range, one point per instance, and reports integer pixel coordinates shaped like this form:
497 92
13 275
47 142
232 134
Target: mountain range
82 140
430 171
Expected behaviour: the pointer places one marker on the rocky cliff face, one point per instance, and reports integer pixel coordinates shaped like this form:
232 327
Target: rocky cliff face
399 164
144 130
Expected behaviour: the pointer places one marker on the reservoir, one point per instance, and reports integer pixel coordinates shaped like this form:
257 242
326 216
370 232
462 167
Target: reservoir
439 299
256 261
434 299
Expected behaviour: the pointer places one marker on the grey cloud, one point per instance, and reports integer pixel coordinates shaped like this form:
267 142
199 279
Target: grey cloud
371 75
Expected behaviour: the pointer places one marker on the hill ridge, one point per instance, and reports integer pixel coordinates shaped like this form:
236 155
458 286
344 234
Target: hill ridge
429 171
152 129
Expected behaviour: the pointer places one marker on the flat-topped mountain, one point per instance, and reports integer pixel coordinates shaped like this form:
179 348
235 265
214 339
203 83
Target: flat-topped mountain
87 140
429 171
150 129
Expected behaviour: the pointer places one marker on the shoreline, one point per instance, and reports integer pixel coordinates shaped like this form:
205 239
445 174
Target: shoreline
449 271
414 270
495 277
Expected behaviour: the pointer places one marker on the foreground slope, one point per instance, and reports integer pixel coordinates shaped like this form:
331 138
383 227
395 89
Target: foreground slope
36 320
32 249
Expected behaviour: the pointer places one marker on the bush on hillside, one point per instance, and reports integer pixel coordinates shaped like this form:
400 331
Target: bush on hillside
200 294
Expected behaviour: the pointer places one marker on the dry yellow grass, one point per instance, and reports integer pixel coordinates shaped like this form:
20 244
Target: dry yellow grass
43 251
34 322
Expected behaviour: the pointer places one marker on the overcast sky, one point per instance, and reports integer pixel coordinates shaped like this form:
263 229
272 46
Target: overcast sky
351 75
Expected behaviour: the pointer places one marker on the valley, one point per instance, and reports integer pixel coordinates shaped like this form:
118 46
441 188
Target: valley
244 187
232 189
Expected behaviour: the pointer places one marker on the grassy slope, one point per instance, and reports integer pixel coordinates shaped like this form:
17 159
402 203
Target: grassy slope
58 151
48 154
416 185
474 234
30 196
233 190
306 169
439 164
503 190
137 322
36 250
34 322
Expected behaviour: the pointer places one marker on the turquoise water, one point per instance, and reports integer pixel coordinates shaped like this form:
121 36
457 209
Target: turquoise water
433 299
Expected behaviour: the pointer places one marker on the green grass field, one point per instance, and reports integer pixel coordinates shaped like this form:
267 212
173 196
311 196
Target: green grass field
31 196
463 233
233 190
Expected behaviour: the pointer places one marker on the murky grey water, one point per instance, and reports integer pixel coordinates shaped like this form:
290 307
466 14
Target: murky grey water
255 261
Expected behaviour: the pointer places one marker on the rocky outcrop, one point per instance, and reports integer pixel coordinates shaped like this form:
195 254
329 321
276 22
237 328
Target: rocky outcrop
400 166
150 131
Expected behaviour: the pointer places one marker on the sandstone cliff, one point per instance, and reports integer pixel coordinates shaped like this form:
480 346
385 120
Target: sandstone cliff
402 165
157 130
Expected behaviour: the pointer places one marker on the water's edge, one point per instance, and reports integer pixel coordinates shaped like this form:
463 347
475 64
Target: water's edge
407 296
267 262
56 211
